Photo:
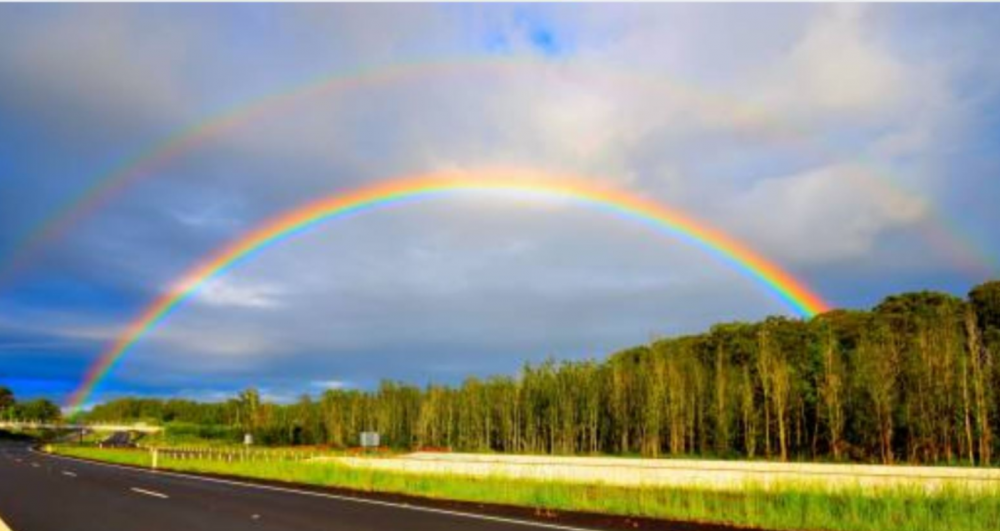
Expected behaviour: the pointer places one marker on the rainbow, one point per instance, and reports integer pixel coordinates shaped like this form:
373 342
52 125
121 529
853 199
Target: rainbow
186 139
948 236
520 183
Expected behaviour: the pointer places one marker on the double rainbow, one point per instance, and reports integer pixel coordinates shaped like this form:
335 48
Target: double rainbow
771 277
944 232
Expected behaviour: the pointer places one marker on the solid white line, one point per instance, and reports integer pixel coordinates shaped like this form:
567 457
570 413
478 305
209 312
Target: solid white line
68 473
380 503
149 493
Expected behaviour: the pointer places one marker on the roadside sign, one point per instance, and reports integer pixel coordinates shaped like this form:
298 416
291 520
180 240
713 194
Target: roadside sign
369 439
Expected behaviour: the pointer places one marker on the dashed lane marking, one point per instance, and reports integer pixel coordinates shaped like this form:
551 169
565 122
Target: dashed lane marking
150 493
353 499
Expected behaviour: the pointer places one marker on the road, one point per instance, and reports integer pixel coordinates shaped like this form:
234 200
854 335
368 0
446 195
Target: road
40 492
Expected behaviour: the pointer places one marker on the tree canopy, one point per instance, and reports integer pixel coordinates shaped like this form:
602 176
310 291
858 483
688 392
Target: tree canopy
37 410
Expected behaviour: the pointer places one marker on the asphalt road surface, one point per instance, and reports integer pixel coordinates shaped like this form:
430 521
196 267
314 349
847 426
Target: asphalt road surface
48 493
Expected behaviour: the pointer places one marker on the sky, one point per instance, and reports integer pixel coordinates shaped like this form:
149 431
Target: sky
855 146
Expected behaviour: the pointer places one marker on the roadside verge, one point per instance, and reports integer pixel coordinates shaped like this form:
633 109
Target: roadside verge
530 517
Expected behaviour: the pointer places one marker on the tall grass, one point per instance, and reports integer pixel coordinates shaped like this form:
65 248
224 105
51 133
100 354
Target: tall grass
903 509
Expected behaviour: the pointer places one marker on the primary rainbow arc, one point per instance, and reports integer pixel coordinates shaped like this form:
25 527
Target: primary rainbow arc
773 278
27 246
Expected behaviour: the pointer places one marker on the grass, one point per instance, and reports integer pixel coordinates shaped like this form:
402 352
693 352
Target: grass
798 508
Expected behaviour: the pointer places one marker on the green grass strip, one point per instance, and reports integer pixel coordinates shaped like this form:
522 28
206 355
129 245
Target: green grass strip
791 508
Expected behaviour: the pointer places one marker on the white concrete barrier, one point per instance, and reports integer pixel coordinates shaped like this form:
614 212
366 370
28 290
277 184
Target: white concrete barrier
720 475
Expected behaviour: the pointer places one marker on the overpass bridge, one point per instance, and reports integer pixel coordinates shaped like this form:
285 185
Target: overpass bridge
21 425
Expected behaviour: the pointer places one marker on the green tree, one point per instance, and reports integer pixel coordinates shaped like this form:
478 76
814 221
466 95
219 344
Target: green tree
6 399
911 380
7 403
37 410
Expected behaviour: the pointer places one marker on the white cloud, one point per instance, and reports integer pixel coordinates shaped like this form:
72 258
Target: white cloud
825 215
837 67
213 217
230 292
330 384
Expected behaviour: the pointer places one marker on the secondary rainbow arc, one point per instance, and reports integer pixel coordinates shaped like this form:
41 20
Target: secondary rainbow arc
769 275
942 231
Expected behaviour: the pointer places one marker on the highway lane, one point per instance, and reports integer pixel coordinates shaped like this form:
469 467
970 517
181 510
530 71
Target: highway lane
47 493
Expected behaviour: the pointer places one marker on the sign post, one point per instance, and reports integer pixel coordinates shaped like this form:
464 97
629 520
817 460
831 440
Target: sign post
369 440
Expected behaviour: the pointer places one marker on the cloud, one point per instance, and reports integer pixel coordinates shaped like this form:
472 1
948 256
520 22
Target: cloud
836 67
826 215
58 325
102 59
225 292
330 384
825 137
205 219
211 344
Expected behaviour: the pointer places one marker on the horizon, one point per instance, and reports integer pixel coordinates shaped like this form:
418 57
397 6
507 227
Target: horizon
316 389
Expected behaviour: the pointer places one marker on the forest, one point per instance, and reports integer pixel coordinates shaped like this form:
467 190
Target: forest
912 380
38 410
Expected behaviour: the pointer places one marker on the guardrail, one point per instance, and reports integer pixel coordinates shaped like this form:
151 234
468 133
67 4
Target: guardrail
684 472
231 455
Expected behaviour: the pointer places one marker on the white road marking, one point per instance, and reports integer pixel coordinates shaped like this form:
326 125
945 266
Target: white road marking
380 503
68 473
36 465
150 493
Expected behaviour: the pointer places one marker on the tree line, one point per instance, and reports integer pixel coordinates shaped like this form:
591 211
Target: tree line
37 410
912 380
